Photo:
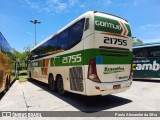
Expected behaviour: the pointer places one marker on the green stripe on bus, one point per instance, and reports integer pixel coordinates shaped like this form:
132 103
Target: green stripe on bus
83 57
86 55
43 63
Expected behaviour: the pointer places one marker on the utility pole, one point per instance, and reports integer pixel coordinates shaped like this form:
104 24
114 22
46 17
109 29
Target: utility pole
35 22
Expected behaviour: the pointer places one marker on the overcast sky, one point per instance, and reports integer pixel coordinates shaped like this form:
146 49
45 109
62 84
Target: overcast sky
15 16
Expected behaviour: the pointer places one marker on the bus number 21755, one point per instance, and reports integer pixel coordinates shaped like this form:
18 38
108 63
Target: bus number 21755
72 59
109 40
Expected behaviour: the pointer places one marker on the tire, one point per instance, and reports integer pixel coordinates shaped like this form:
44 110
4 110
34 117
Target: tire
8 85
51 83
60 87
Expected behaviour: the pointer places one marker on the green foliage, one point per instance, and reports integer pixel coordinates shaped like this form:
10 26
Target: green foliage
137 41
22 57
27 49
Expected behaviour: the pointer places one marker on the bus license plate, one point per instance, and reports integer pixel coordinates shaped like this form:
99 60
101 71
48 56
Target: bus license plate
116 86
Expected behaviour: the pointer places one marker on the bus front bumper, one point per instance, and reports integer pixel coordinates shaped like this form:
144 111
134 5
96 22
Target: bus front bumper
103 89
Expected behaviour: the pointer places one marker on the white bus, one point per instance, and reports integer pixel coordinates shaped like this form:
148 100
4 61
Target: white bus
92 55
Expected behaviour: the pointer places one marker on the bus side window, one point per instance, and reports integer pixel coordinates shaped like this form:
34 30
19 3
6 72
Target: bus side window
44 47
52 44
86 24
154 52
76 33
62 40
140 53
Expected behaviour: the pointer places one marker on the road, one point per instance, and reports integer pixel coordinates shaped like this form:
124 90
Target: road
34 96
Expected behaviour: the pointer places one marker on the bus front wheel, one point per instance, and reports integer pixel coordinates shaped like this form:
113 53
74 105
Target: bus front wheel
60 87
52 84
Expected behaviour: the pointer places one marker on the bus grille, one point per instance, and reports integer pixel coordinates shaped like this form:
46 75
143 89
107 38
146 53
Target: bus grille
76 78
113 51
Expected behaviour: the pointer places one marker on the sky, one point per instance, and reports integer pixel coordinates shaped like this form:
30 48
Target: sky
15 16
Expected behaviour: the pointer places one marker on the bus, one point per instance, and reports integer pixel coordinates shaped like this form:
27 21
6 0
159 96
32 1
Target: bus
7 65
146 61
90 56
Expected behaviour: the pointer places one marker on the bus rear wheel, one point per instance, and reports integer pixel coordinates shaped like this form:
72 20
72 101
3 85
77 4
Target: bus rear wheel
60 87
7 86
52 84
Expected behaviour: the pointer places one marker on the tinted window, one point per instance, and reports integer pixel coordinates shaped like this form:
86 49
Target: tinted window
154 51
140 52
52 44
75 33
44 47
87 24
3 44
63 40
5 47
37 51
1 40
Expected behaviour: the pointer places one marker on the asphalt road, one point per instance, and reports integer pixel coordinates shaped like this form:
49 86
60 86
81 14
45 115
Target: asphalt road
35 96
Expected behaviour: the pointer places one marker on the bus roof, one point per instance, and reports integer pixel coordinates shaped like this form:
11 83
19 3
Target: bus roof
111 15
86 14
146 45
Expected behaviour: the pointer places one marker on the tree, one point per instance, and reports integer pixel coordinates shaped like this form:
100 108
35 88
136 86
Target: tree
26 53
22 56
27 49
137 41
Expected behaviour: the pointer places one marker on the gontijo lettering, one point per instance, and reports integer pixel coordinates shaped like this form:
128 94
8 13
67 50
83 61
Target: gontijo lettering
107 24
112 26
